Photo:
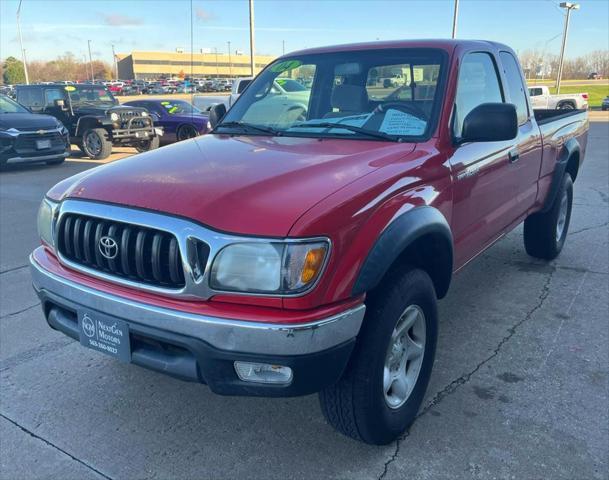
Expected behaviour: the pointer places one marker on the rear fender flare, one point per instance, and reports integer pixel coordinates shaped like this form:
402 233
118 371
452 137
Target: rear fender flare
569 149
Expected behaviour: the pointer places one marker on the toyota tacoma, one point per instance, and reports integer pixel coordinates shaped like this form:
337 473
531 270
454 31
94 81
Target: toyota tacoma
297 251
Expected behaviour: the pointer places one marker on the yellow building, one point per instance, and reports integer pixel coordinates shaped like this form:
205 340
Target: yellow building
153 65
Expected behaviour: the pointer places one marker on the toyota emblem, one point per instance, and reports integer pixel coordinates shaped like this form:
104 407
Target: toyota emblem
108 247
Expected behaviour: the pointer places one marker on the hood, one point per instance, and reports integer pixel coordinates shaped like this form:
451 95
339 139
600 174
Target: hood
245 184
27 121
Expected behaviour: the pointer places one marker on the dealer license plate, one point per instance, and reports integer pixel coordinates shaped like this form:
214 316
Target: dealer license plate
105 334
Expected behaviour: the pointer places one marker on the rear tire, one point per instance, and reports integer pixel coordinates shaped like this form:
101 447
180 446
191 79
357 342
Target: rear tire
147 145
566 106
95 144
360 405
545 232
185 132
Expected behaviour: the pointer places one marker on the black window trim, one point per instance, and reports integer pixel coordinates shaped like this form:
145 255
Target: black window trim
524 86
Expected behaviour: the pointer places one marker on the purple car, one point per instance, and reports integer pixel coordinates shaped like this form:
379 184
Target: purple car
178 118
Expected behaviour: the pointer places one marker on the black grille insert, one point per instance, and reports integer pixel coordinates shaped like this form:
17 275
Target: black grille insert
128 251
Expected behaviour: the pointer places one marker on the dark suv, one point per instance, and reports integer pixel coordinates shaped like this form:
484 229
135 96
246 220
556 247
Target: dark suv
93 117
26 138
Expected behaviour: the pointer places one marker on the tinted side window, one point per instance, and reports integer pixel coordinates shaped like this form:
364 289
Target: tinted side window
51 95
242 85
515 86
30 97
534 92
477 84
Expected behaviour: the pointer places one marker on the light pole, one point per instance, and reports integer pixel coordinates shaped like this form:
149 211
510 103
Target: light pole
115 63
91 62
84 62
455 16
230 64
217 74
569 6
283 47
27 78
252 48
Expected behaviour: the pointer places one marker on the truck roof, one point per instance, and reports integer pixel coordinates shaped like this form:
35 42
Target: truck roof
46 85
444 44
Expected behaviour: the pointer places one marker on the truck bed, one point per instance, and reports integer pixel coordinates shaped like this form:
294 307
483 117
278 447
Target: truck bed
543 115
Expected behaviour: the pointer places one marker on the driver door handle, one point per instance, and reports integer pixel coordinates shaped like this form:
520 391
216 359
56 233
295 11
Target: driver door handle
513 155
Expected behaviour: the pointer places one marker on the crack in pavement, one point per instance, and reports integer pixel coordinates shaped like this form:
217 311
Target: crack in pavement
14 269
38 437
20 311
589 228
463 379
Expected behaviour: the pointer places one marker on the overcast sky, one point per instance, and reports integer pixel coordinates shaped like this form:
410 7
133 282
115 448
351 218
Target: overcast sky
51 27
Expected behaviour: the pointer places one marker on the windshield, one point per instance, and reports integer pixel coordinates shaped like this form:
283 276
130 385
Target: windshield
9 106
90 94
179 107
290 85
388 94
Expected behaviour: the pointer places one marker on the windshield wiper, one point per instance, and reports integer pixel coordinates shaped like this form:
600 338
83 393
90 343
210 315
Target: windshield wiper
248 126
351 128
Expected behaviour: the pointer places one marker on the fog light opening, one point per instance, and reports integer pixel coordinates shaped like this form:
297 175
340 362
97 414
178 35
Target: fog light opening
263 373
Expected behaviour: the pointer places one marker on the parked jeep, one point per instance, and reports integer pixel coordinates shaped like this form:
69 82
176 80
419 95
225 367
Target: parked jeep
93 117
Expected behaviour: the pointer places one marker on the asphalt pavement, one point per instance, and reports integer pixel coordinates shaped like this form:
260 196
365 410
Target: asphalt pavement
519 390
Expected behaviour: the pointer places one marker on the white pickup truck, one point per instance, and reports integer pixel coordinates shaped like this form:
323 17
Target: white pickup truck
542 99
238 86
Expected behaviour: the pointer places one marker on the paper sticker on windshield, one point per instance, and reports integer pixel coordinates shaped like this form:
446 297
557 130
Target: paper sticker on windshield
397 122
69 88
286 65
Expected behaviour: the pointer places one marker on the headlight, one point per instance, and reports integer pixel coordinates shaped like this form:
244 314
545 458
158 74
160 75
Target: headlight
114 117
47 214
269 268
144 114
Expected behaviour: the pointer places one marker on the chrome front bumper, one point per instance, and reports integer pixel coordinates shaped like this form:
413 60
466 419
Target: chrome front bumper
224 334
40 158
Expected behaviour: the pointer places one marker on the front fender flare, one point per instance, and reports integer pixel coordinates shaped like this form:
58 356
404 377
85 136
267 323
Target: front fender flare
401 233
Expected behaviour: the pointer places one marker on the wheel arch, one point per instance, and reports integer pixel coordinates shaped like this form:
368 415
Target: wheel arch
566 102
567 162
421 238
85 123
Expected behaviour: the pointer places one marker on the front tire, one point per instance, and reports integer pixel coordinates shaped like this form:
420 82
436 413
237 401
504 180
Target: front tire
381 391
147 145
545 232
95 144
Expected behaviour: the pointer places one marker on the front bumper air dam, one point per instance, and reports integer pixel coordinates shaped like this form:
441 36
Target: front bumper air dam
203 349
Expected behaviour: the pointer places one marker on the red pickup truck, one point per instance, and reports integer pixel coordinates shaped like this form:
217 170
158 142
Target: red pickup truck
302 245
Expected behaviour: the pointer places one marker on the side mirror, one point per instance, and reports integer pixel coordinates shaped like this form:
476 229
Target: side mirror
216 113
60 103
490 122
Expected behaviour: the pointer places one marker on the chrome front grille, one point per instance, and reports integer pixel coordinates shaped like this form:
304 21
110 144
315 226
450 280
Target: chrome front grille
26 142
140 254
